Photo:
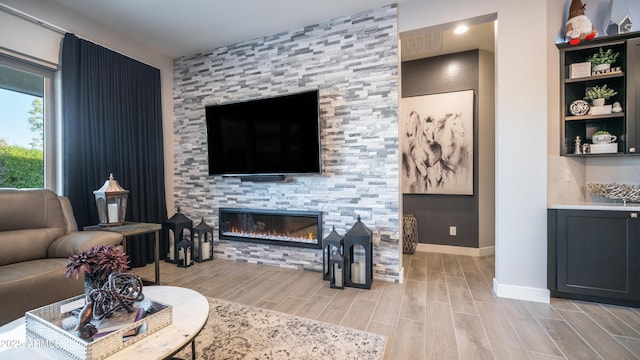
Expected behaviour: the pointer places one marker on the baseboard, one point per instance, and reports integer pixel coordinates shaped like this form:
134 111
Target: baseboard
521 292
456 250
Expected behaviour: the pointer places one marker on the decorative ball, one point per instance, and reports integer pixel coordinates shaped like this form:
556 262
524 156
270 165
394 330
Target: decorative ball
69 323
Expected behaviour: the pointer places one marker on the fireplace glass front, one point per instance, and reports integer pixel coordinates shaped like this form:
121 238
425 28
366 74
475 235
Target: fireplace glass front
289 228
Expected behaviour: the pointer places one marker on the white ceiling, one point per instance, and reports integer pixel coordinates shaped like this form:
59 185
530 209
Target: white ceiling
439 40
190 26
186 27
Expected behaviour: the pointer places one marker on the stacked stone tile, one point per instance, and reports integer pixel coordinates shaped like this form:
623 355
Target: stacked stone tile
353 61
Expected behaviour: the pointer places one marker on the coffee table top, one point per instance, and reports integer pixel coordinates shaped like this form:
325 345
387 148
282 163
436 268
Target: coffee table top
190 313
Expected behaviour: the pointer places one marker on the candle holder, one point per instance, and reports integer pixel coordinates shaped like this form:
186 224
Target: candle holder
333 243
176 227
111 200
358 250
185 252
203 242
336 271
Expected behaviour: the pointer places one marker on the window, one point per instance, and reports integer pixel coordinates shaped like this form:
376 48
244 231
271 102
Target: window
27 128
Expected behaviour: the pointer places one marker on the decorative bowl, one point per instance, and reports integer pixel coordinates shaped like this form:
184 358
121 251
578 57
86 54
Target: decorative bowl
579 107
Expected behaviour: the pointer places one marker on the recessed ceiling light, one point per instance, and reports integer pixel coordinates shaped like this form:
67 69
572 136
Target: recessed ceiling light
461 29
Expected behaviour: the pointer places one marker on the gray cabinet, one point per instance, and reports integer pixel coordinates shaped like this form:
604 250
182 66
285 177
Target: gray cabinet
594 255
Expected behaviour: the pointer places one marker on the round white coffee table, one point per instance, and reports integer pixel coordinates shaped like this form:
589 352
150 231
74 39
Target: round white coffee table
190 313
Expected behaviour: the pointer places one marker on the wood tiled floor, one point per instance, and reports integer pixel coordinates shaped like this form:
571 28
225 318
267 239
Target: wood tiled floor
445 309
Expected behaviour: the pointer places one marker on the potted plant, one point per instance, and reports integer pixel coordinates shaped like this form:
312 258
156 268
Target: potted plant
97 263
598 94
602 60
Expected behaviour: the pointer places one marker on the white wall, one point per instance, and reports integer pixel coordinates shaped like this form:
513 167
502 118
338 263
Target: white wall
486 151
521 119
26 37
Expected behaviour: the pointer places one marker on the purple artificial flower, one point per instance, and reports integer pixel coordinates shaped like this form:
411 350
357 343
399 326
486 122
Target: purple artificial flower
98 262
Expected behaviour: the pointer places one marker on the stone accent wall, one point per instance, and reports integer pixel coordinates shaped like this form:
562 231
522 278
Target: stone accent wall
353 61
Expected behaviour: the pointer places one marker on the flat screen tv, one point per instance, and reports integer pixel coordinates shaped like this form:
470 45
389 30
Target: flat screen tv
269 136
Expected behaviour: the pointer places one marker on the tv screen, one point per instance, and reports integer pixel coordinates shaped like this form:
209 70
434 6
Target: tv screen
269 136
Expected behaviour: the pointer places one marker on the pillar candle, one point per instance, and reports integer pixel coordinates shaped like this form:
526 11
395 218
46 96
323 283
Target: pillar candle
206 250
363 272
337 273
355 273
171 245
113 212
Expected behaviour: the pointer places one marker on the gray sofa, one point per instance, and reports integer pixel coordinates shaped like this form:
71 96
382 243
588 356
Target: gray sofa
38 233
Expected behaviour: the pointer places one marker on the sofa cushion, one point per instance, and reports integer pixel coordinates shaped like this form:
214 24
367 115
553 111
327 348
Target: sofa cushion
30 220
23 245
77 241
30 209
32 284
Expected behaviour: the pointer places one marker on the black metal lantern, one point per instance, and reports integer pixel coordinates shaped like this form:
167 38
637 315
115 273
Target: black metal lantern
358 251
176 227
336 266
111 200
203 242
331 242
185 252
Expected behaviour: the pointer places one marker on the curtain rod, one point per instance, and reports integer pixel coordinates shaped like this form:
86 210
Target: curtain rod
32 19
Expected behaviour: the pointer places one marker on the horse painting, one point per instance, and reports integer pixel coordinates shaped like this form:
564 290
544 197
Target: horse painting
437 150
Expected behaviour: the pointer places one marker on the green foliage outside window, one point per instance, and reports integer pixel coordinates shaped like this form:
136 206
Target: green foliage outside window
21 167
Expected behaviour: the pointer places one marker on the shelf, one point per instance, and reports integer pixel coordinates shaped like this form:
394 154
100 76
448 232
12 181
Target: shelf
623 77
594 117
611 75
596 155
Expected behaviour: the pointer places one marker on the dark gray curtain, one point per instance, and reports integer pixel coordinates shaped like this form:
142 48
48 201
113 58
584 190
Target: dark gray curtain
112 123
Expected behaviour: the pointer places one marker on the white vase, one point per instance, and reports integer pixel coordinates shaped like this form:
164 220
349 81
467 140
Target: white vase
598 102
601 67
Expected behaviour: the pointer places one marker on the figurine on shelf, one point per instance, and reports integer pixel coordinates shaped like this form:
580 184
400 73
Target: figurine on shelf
577 143
579 26
616 107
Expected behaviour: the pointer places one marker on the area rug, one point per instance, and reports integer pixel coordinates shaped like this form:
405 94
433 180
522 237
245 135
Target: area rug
241 332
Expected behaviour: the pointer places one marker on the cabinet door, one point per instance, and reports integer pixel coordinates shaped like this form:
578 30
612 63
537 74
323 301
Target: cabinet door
633 96
597 253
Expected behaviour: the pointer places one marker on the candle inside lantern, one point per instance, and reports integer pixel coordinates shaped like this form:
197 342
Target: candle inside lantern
113 213
337 275
355 272
180 254
362 278
206 250
171 245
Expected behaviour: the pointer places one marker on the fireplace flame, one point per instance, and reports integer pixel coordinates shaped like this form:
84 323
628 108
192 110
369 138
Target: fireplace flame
272 235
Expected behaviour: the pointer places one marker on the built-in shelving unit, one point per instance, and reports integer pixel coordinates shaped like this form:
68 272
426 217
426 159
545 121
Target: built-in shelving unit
624 78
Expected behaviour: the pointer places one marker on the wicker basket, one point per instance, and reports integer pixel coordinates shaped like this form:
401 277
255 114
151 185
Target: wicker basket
44 325
409 234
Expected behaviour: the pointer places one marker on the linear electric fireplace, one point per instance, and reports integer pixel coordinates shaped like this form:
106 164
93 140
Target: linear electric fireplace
289 228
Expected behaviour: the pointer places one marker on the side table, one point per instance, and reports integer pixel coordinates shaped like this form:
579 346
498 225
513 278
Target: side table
132 229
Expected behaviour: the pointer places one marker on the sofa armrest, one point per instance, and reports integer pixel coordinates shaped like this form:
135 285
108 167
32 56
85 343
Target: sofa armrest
74 242
67 213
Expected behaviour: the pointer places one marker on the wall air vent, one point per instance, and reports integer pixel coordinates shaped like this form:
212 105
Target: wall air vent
422 43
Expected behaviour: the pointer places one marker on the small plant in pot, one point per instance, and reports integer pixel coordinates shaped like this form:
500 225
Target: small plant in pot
598 94
602 60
